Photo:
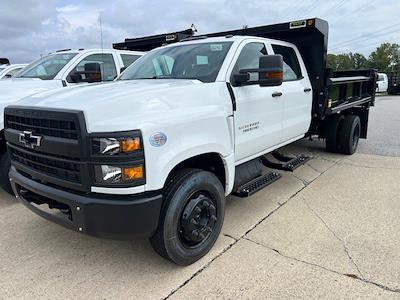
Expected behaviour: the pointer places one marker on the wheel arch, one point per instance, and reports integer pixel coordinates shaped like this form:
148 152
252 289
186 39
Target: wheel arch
210 161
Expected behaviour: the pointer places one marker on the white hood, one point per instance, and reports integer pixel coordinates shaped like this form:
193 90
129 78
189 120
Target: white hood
126 105
12 90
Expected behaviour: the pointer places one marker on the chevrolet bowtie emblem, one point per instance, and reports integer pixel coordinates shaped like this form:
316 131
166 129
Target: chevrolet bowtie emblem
29 140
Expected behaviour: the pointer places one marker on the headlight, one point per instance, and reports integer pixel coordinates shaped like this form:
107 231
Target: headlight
117 174
115 146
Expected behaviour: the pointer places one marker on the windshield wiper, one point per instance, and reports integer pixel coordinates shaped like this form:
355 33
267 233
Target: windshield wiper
155 77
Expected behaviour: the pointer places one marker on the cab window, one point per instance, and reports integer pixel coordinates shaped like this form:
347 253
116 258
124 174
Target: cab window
249 59
129 59
291 66
106 62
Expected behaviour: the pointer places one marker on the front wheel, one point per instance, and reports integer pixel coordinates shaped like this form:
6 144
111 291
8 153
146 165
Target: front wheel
192 217
5 165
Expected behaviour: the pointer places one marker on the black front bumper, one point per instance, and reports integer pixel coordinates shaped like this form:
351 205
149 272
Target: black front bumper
116 217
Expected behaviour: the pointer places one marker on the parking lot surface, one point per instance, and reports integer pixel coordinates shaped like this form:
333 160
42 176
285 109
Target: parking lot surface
331 229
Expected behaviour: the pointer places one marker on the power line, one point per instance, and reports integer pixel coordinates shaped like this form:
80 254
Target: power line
366 45
377 33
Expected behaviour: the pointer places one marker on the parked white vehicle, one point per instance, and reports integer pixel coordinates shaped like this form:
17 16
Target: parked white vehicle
155 152
8 71
65 68
382 84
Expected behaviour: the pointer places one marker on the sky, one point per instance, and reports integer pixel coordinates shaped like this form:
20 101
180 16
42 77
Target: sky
30 28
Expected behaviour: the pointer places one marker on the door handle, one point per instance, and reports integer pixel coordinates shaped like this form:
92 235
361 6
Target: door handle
277 94
306 90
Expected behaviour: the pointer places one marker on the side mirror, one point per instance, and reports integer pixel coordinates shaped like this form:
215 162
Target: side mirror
241 78
271 70
92 72
75 77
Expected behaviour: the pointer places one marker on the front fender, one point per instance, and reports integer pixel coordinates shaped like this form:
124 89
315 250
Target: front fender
201 136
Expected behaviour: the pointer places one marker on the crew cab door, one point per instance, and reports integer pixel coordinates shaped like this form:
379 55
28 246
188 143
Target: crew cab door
259 111
296 94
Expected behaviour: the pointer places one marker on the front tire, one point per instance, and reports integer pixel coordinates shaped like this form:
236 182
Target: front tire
191 218
5 165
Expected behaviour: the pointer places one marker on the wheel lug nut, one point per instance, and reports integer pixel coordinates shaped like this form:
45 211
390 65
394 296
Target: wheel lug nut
193 221
195 233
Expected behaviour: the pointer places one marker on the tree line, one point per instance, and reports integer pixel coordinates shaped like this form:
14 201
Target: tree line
385 58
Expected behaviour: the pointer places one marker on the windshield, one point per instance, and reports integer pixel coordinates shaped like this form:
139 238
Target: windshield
193 61
47 67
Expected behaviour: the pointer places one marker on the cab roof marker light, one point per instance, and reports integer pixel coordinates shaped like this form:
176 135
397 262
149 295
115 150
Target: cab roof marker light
298 24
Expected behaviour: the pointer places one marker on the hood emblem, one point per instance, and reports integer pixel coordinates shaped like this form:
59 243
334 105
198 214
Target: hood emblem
29 140
158 139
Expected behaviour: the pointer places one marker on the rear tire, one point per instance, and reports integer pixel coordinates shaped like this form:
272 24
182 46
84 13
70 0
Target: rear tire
349 134
192 216
5 165
331 132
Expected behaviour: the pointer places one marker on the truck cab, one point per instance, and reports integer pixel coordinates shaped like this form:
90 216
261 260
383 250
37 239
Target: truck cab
155 152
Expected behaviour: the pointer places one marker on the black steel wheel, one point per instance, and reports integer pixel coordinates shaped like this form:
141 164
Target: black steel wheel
192 216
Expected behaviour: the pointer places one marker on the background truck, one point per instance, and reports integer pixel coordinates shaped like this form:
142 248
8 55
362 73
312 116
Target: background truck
8 71
382 83
156 152
60 69
394 81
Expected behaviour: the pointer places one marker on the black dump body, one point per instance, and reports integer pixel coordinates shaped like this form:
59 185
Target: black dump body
394 81
150 42
342 92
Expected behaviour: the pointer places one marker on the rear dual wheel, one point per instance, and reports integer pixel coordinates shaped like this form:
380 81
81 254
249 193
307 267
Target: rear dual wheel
192 216
343 134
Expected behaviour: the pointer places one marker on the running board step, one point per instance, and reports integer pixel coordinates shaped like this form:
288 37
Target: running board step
287 163
256 184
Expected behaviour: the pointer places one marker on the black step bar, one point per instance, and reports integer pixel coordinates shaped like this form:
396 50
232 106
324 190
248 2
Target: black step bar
256 184
286 163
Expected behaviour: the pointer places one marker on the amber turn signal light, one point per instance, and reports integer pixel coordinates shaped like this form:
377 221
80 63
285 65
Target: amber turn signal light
130 145
274 75
132 173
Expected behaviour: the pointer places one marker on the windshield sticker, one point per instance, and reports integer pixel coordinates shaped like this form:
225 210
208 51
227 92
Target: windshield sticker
202 60
216 47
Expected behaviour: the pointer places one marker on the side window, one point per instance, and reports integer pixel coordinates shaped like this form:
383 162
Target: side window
128 59
291 66
249 59
106 62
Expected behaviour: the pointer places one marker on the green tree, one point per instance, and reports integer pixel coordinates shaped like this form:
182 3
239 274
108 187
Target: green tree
346 61
384 57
